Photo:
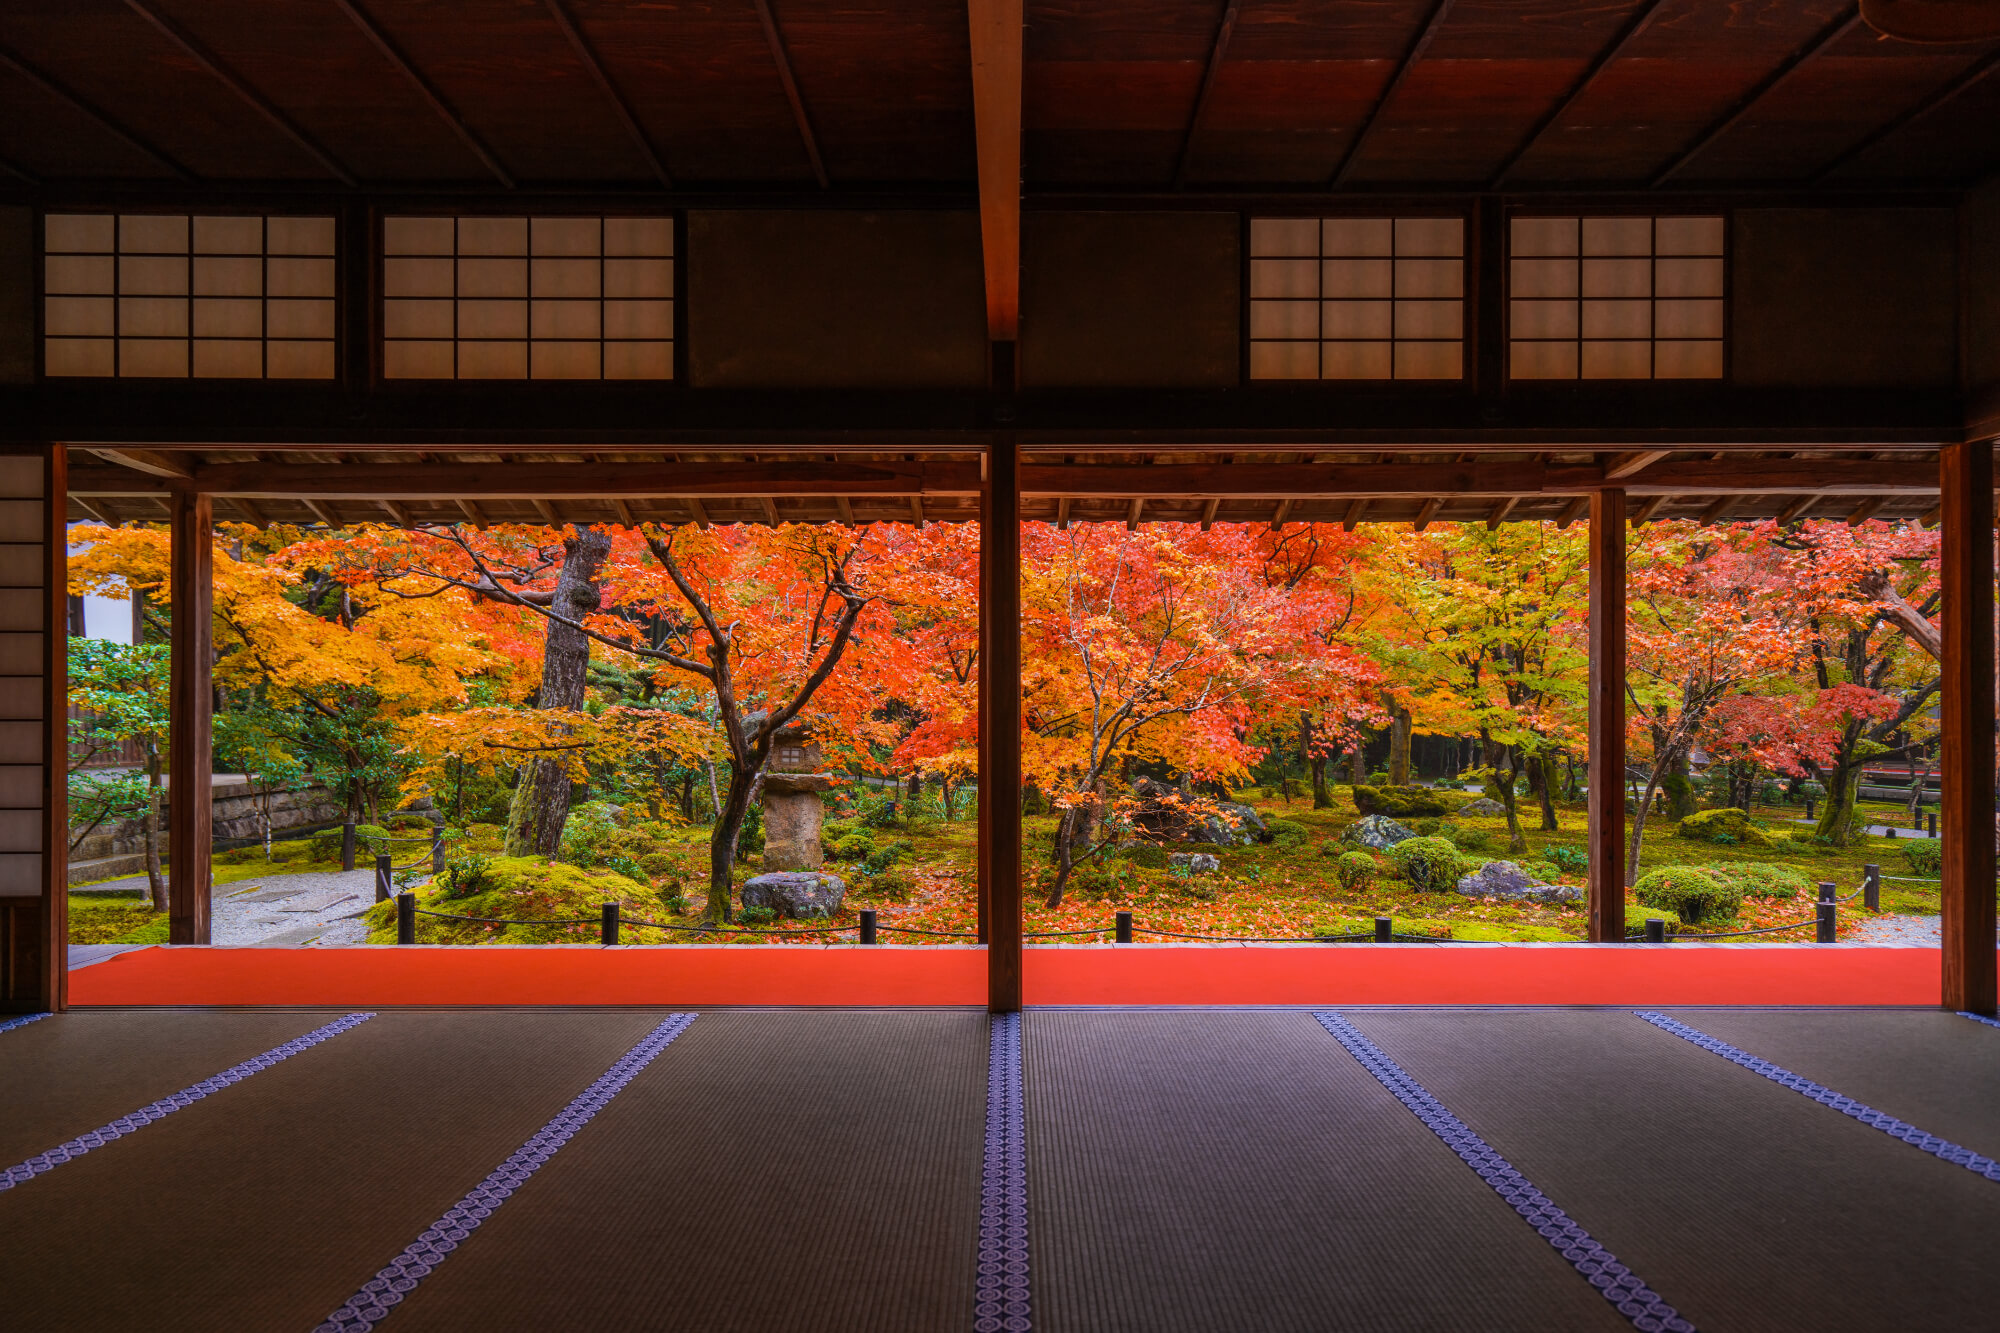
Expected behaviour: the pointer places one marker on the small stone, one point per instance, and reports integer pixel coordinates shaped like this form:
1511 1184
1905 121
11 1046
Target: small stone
1376 831
1504 879
796 894
1194 863
1485 805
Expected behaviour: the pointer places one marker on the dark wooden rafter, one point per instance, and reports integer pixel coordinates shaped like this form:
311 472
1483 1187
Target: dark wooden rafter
473 513
1000 716
425 88
1428 512
696 513
322 512
1979 70
1841 24
19 172
547 512
1224 28
1133 510
1798 506
996 28
97 509
842 507
626 517
150 462
594 67
1280 513
1355 510
1864 511
1651 506
776 40
1418 45
399 514
1572 511
1631 465
1640 20
1720 507
1500 512
69 97
770 511
228 77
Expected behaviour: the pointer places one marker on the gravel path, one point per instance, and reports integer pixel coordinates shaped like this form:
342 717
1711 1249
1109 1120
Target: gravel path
1921 932
237 919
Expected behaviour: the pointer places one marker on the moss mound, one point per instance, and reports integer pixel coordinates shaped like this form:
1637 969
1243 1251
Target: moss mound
1403 802
1689 892
1635 919
1357 870
1432 865
1726 826
520 888
1754 879
1924 857
1287 832
1402 925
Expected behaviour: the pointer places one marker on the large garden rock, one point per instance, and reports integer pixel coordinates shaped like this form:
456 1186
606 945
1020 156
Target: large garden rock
1485 805
1504 879
795 893
1165 813
1376 831
1194 863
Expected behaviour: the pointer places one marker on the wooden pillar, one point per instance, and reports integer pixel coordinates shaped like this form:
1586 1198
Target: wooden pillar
190 809
1965 811
1607 716
34 732
1000 725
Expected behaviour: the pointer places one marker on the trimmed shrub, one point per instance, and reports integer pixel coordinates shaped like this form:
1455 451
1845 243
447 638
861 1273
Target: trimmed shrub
833 830
1357 870
1690 892
1465 839
1401 802
1635 919
1569 860
1432 865
854 847
1924 856
1724 827
757 916
882 858
880 813
1427 827
1287 832
518 887
1753 879
1379 778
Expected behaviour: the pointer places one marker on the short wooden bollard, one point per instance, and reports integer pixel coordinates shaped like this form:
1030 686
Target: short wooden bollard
406 918
347 846
1121 930
383 867
867 925
607 924
1384 930
1656 930
1871 887
437 851
1826 909
1931 819
1810 816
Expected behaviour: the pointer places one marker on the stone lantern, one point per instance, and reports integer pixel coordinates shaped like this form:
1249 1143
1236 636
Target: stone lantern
792 801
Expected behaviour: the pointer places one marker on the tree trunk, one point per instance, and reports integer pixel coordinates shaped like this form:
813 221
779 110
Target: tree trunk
1506 765
1357 768
1543 776
687 795
541 800
722 842
1399 747
1843 792
1315 763
1680 790
1071 829
156 884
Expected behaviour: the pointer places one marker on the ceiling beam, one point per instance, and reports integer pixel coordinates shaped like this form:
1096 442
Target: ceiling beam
844 509
1428 511
1500 512
151 463
264 107
996 119
1290 481
398 514
1841 24
578 480
1641 19
19 172
696 512
1979 70
1648 508
321 512
1630 465
1208 510
473 513
547 512
1572 511
250 511
776 41
1775 476
1355 510
1418 45
1715 511
102 512
765 503
1798 506
445 111
1132 513
1279 514
626 517
917 511
595 68
1216 54
64 94
1865 511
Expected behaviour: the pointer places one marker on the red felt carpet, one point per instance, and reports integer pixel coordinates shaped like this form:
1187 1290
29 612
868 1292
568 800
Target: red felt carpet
1105 974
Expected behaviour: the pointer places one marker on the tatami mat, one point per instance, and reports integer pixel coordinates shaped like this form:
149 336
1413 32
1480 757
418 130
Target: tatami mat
1743 1203
809 1172
1220 1171
260 1206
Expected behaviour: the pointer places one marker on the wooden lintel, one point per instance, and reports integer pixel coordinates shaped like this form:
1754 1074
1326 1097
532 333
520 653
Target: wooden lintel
997 33
1296 481
1774 476
577 480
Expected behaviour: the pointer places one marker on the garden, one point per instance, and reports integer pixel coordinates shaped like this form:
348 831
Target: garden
1248 731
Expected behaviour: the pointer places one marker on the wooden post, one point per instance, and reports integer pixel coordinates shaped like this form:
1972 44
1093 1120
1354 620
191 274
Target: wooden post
1000 725
1607 716
190 810
1965 486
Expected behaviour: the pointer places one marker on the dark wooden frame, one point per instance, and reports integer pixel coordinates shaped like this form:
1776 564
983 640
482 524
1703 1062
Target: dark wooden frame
1605 840
1966 814
190 763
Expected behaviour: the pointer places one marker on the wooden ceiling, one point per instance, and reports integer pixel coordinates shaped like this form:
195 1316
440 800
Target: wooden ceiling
471 485
1119 95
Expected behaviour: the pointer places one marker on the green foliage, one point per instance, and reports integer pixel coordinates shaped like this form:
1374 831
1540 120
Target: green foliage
1432 865
757 916
750 834
880 813
1379 778
1465 839
1689 892
466 875
1724 827
1756 879
588 835
854 847
1148 856
1356 870
522 887
98 798
1569 860
833 830
1286 832
1401 802
892 885
883 857
104 920
1424 927
1924 856
1428 827
122 689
